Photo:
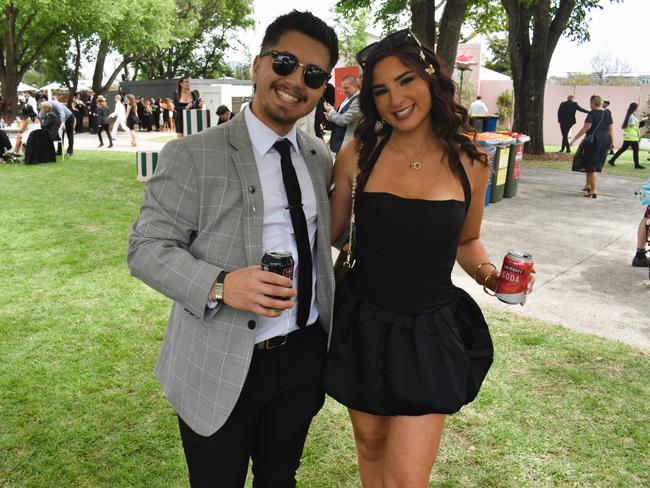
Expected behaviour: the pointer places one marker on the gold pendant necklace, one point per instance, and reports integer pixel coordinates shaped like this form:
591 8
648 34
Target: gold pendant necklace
415 165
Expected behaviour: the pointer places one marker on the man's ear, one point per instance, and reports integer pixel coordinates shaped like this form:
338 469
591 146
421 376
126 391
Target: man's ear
256 64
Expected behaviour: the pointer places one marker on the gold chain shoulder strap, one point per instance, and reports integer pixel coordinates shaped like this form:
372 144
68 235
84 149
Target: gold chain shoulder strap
349 262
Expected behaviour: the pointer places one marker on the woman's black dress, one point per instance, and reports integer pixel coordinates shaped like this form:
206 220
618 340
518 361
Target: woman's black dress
178 110
594 157
405 340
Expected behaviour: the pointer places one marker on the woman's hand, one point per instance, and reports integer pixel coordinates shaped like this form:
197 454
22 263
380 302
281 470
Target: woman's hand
530 285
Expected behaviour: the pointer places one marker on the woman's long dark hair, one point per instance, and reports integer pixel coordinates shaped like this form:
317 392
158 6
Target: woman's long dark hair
178 86
630 110
448 117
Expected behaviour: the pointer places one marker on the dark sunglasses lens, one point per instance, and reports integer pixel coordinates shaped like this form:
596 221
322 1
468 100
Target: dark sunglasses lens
315 77
284 64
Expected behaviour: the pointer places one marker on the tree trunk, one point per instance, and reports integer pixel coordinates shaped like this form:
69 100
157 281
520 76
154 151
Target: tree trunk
98 73
423 21
449 32
10 68
530 57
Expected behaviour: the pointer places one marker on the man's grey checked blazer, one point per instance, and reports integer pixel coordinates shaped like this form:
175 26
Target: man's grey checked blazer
203 213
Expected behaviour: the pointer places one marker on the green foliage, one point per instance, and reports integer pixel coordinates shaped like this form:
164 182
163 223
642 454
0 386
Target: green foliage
351 29
35 78
500 60
504 107
201 32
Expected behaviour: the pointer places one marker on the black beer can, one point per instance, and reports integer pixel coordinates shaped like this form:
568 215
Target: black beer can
278 261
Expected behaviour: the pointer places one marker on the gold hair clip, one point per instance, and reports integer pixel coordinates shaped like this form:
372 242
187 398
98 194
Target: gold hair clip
430 69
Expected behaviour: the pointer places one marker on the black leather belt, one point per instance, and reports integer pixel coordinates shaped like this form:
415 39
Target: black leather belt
283 340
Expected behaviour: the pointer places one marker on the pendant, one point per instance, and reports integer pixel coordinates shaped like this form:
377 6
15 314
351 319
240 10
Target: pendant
415 165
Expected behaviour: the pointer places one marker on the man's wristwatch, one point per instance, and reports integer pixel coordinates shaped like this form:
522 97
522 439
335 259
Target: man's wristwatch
218 287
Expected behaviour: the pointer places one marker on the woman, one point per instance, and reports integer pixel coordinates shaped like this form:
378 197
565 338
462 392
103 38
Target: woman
631 136
28 124
599 125
119 114
132 117
102 121
184 99
400 356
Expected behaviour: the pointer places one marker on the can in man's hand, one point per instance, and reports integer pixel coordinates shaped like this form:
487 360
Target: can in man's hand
280 262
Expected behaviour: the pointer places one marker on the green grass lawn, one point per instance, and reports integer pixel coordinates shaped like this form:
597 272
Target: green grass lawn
624 164
79 338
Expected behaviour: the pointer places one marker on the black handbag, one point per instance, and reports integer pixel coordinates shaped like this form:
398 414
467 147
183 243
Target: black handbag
345 262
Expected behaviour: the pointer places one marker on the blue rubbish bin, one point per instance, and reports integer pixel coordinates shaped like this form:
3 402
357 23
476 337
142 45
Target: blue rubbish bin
490 147
490 123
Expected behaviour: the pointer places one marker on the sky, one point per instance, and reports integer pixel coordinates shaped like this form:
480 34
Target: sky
618 29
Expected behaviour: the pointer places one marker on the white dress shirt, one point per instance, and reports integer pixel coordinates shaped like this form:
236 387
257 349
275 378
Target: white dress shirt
277 229
478 108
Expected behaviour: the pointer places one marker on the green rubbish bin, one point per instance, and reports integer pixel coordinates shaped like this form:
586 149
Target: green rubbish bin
500 173
515 157
476 123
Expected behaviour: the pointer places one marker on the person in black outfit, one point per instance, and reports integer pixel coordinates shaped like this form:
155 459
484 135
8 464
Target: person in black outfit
224 114
184 99
92 112
101 109
52 122
566 116
5 143
320 122
408 347
598 124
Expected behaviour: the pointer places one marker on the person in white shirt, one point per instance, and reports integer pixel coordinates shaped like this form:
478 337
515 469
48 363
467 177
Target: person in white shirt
119 114
244 351
478 108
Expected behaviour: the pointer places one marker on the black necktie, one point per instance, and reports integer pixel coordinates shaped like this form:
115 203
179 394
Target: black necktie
294 196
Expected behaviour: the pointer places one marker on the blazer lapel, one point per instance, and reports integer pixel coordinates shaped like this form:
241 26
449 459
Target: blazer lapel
251 187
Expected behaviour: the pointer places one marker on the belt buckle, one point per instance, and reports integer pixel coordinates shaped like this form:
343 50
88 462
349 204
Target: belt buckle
268 344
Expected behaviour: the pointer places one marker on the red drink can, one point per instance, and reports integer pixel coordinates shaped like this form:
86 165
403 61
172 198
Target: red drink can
514 277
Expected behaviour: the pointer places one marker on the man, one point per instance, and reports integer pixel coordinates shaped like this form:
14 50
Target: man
477 108
92 112
566 116
244 350
67 122
224 114
344 121
50 120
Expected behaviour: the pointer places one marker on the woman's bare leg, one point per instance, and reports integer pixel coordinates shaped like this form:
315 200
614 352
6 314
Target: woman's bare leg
370 432
411 450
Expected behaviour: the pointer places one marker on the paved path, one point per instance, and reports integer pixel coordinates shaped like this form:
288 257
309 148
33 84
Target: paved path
582 248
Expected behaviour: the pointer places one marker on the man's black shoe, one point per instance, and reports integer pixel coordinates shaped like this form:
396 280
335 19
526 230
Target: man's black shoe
640 262
638 166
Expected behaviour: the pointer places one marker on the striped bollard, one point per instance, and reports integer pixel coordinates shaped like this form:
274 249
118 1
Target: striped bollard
195 121
146 164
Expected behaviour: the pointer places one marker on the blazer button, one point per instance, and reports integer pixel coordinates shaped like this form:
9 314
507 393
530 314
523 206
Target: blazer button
251 324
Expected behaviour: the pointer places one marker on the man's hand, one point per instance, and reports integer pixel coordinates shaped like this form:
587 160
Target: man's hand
328 109
258 291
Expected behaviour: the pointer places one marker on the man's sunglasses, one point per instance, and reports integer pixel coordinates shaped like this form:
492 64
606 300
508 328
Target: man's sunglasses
286 63
395 39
